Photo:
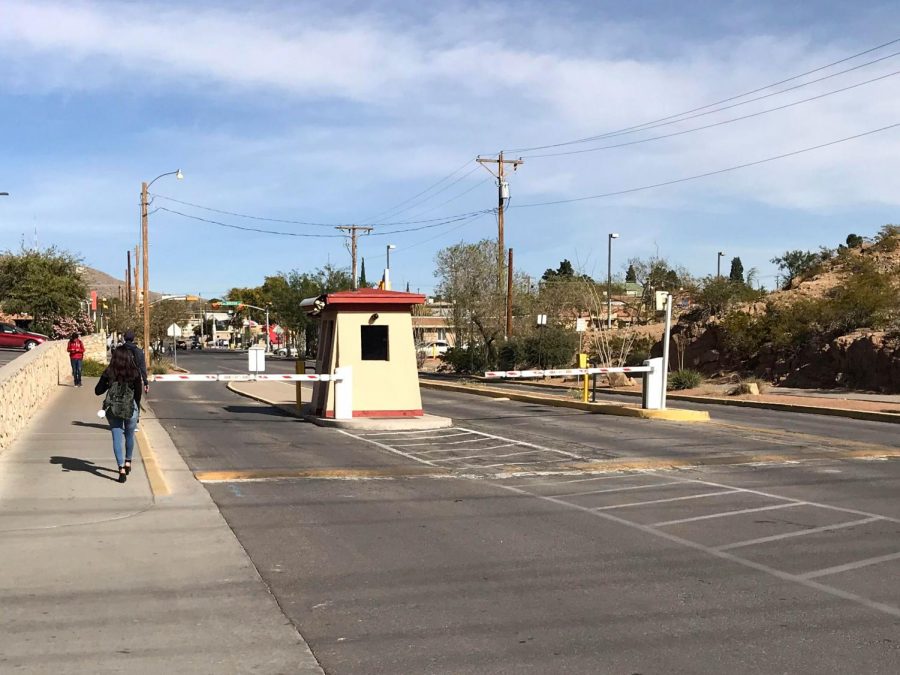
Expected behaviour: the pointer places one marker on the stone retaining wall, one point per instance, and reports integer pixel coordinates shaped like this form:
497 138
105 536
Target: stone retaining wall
28 380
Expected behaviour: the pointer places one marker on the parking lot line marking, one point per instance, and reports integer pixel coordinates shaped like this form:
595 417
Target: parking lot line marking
387 447
403 433
800 533
510 454
843 509
850 566
412 445
670 499
527 445
618 489
576 480
725 514
722 555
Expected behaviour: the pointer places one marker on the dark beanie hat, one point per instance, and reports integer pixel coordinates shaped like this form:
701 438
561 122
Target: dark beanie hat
129 336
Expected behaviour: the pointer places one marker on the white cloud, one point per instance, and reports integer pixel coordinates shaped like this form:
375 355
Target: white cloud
415 96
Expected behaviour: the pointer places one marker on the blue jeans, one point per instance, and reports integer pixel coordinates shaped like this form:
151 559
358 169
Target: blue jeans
76 370
123 435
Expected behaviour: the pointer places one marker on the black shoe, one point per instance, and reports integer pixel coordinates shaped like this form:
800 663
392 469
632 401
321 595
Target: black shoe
127 466
122 475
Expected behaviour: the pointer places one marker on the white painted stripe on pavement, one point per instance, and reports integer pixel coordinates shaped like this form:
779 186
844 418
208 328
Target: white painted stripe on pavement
799 533
670 499
523 443
851 566
722 555
618 489
771 496
725 514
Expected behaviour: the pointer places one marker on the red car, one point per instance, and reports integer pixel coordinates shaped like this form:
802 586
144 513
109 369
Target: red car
11 336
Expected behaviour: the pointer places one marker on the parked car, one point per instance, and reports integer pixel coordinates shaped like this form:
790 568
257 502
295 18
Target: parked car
434 348
12 336
196 343
286 351
181 343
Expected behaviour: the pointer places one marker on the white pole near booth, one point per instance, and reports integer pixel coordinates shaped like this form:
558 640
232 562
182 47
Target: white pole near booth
343 393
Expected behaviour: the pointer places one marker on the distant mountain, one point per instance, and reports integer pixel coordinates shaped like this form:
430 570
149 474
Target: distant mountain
106 286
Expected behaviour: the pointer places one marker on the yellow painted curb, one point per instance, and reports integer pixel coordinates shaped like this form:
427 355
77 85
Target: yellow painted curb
339 473
158 485
597 408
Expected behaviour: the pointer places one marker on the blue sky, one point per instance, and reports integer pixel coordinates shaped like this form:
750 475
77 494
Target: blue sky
336 113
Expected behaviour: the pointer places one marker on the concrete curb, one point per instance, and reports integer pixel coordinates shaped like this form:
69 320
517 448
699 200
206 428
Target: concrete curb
426 423
597 408
865 415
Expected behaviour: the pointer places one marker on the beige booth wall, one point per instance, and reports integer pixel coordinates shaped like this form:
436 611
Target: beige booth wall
379 387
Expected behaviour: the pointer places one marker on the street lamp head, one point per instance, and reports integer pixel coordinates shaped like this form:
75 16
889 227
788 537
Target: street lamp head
179 175
391 247
4 194
721 253
613 235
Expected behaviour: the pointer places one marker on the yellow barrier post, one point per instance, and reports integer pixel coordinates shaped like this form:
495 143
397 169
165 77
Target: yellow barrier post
583 363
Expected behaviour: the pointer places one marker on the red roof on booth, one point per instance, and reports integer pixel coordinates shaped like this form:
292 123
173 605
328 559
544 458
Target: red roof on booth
372 296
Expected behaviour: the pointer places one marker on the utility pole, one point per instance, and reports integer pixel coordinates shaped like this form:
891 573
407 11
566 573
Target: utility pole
128 280
502 193
354 231
509 290
145 262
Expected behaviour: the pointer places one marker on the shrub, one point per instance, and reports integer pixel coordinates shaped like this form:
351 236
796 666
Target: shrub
466 359
92 368
719 295
160 366
685 379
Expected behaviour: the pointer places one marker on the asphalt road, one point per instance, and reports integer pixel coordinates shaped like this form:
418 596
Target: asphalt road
781 555
7 355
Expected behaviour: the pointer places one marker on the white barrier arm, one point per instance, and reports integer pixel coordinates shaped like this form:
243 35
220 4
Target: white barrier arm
236 377
559 372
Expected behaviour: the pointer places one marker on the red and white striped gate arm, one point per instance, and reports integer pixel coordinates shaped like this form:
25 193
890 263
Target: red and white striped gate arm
557 372
236 377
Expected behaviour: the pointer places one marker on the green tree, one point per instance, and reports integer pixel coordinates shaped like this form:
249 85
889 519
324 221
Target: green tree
796 264
737 271
363 282
45 284
630 275
854 241
468 281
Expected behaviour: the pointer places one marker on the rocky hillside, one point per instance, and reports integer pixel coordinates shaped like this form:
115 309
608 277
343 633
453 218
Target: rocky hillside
836 325
106 286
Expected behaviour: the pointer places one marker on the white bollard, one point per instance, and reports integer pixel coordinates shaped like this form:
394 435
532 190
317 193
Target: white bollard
343 393
654 385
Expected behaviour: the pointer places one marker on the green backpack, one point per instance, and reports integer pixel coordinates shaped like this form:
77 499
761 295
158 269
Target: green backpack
119 400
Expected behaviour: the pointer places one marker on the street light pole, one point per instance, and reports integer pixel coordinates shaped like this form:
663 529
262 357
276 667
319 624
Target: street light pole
145 257
387 269
719 265
612 235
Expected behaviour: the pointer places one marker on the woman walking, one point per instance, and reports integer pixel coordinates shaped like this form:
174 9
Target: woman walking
76 356
121 382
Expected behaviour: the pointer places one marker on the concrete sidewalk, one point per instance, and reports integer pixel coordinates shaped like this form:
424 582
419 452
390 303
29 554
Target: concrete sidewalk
101 577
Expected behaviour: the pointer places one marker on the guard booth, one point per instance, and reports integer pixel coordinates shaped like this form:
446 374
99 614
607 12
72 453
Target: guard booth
366 335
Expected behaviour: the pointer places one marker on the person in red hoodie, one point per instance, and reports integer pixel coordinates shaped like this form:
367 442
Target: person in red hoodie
76 356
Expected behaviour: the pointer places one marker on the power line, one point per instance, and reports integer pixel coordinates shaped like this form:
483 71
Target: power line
680 117
443 221
714 124
709 173
428 189
434 194
283 220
